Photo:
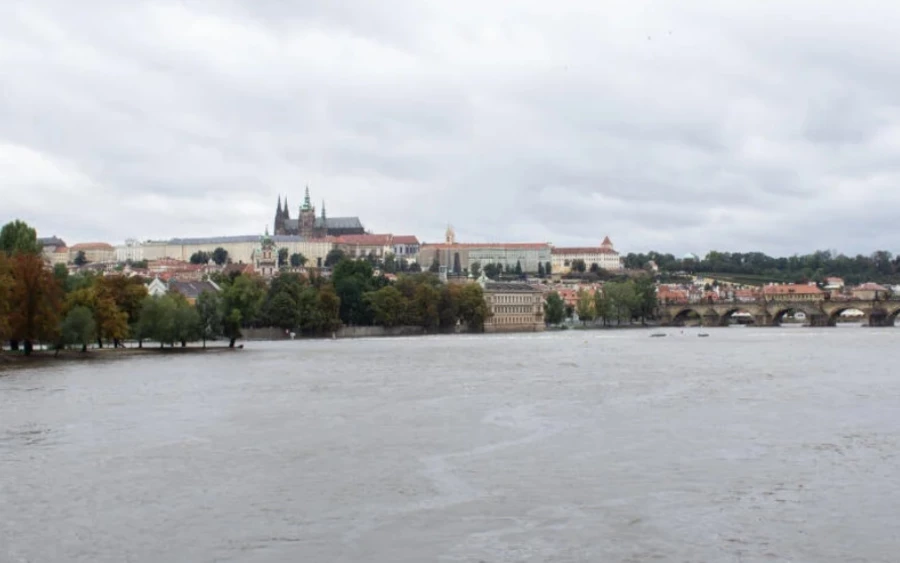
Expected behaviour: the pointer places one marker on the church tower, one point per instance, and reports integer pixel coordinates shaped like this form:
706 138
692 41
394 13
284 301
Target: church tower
307 219
279 219
450 235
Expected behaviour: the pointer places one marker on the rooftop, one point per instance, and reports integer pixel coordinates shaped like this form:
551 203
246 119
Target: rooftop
501 245
192 289
791 288
91 246
365 240
510 286
232 239
405 239
51 241
583 250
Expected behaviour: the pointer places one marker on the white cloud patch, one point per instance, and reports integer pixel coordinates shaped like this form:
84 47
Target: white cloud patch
672 126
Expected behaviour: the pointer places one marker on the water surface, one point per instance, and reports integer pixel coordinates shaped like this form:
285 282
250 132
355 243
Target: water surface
751 445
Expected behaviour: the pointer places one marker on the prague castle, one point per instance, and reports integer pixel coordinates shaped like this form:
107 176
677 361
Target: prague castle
309 226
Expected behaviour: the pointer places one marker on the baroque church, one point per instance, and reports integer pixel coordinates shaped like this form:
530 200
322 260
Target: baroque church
307 225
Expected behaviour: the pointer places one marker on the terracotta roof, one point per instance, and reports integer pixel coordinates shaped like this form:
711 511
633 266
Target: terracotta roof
606 241
792 288
365 240
406 239
746 293
583 250
514 245
91 246
61 250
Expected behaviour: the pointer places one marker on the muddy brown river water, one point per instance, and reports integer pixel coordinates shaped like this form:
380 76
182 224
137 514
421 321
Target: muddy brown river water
752 445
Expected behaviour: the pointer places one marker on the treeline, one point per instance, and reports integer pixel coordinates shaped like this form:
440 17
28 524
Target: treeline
626 301
353 296
880 266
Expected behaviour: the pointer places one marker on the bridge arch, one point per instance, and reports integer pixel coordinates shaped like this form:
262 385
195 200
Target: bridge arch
726 315
704 315
835 314
778 312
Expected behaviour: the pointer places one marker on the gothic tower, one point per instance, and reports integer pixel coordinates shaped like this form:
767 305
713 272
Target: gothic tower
287 210
307 219
279 219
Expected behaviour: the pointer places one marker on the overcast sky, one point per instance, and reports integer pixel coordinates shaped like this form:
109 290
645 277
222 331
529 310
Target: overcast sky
676 126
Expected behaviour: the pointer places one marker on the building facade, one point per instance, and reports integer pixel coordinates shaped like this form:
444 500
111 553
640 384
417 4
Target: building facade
605 256
240 248
94 252
449 253
792 292
361 246
265 257
131 251
309 226
406 247
514 307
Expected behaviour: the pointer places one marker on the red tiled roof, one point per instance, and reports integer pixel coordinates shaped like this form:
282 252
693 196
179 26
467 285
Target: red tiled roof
92 246
365 240
406 239
792 288
515 245
582 250
606 241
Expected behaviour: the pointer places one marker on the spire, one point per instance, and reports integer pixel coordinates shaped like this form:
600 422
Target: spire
287 209
323 210
306 204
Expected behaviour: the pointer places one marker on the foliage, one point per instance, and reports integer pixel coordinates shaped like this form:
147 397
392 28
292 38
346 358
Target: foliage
61 273
282 257
476 269
6 288
200 257
352 279
34 301
518 270
241 303
585 306
219 256
298 260
157 321
209 310
554 309
579 266
541 272
492 271
457 267
334 257
435 265
17 237
548 269
78 327
388 306
80 258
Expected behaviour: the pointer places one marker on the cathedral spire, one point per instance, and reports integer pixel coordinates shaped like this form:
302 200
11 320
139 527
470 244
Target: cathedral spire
306 204
287 209
323 209
278 207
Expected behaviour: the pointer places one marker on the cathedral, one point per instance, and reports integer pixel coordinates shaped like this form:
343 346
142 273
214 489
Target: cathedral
309 226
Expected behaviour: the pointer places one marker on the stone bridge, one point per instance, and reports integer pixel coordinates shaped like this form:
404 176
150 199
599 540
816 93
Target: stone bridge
770 313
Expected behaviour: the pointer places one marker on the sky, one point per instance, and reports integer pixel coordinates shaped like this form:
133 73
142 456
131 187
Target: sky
672 126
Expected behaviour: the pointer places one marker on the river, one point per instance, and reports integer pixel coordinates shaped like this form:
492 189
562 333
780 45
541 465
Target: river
751 445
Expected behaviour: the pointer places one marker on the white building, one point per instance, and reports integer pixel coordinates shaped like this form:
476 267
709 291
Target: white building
605 256
131 250
240 248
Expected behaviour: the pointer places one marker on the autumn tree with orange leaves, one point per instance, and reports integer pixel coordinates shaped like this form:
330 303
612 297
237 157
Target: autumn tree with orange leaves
34 303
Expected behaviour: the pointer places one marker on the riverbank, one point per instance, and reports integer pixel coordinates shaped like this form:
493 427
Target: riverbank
41 358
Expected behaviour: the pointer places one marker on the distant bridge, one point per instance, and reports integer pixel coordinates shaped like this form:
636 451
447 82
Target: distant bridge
771 312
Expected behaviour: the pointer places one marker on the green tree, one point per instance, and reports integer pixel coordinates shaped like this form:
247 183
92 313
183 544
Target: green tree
473 310
476 269
602 307
554 309
187 320
595 268
219 256
298 260
334 257
457 267
282 257
415 267
579 266
426 304
200 257
435 264
492 271
645 298
209 309
17 237
390 263
157 321
78 327
548 270
388 306
329 307
585 306
541 272
351 280
622 300
80 258
61 273
241 303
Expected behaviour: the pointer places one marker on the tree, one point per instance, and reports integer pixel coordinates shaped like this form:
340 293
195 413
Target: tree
570 311
34 302
578 266
585 306
6 288
595 268
328 309
61 273
200 257
282 257
435 264
78 327
457 268
298 260
388 306
492 271
351 280
473 310
209 309
241 303
622 302
186 320
390 263
80 258
476 269
540 271
548 270
554 309
157 320
219 256
518 270
645 297
17 237
415 267
601 307
426 305
334 257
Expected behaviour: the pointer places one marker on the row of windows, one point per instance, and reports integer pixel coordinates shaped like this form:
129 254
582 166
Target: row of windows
515 309
513 320
513 299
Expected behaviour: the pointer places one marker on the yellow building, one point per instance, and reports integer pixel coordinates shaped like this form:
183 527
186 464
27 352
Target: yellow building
94 252
514 307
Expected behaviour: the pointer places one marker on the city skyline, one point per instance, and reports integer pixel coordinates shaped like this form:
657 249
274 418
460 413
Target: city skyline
679 129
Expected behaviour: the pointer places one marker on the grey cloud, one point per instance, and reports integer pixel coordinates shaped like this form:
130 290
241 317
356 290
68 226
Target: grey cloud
732 127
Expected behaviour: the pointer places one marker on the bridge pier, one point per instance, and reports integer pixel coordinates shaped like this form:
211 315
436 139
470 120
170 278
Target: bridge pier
763 319
819 320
